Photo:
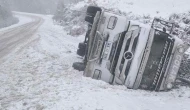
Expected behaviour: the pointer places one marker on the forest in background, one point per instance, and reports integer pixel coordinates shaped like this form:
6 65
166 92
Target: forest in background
34 6
6 16
29 6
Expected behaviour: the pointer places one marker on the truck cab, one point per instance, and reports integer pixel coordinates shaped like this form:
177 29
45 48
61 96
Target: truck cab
126 52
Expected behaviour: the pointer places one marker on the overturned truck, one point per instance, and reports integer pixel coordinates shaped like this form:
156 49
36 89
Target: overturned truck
121 51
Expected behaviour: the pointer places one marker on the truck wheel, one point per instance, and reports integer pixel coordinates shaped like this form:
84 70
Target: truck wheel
89 19
93 10
81 52
79 66
82 46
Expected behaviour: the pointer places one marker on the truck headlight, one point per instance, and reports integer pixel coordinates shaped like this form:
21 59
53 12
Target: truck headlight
169 86
97 74
170 81
181 49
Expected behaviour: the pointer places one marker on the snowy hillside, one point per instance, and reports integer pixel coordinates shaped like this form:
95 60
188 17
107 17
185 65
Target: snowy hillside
6 17
147 7
143 11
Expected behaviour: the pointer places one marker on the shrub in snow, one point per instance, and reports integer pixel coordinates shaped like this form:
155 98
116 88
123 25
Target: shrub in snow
184 71
182 22
75 31
71 19
182 28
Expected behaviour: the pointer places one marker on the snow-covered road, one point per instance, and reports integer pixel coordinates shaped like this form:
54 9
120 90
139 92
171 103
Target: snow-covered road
39 76
15 36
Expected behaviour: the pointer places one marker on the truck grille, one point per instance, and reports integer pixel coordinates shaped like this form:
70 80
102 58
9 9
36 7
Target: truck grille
115 52
126 43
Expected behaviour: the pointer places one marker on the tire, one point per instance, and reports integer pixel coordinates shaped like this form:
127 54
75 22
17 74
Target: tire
89 19
82 46
92 10
81 52
79 66
91 13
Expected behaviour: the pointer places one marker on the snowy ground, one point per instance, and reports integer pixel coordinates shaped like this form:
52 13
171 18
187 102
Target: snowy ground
40 77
